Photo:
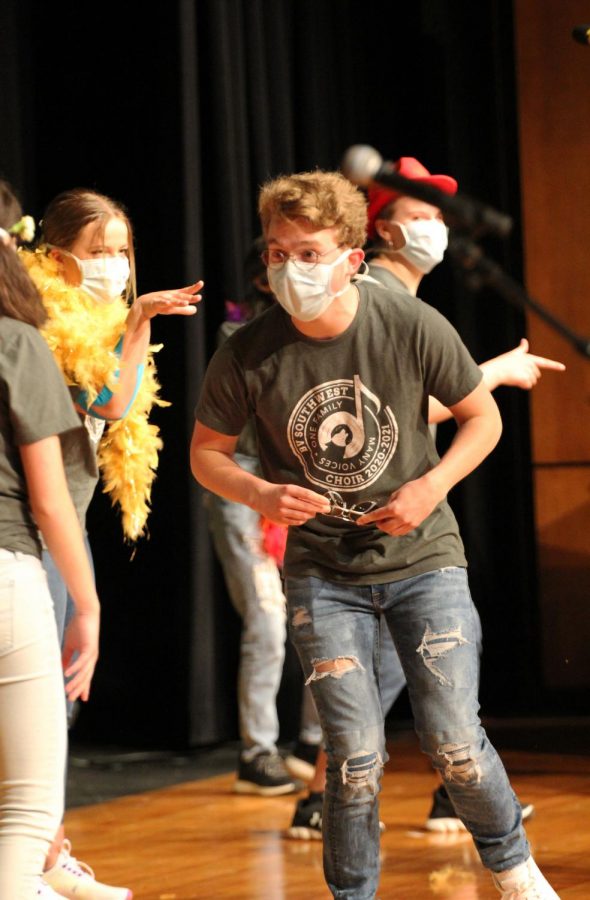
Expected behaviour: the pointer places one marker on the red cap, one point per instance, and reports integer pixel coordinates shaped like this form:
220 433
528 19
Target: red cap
380 196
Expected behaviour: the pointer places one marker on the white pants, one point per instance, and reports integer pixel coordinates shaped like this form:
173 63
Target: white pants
32 725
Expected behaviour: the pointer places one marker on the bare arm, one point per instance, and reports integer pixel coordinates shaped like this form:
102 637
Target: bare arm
136 339
56 518
214 467
479 429
516 368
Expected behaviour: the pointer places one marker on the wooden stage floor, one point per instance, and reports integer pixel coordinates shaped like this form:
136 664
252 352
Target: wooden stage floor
198 839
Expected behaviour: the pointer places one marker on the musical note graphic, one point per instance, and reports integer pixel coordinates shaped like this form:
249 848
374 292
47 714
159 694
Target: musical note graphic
344 429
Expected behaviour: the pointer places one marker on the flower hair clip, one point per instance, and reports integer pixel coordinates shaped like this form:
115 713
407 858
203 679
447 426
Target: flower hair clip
24 229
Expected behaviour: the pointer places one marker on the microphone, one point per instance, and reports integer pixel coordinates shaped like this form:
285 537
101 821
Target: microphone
581 34
363 165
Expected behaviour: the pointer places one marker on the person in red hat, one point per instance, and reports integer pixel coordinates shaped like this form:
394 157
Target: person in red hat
408 238
408 167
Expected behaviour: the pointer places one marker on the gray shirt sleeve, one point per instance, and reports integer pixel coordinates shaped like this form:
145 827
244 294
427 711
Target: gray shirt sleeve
39 401
450 372
223 402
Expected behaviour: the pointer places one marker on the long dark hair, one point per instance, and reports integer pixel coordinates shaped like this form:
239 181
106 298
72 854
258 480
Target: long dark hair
10 208
19 298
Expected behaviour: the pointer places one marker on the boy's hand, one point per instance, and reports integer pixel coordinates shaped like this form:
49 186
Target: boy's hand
406 508
290 504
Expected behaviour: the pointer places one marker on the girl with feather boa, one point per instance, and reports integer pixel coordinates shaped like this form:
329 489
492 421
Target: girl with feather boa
99 334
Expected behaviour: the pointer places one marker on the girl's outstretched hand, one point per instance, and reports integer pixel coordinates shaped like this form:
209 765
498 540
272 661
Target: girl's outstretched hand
175 302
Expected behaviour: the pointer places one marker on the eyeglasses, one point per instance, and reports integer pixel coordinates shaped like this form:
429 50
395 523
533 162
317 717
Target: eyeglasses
305 260
350 513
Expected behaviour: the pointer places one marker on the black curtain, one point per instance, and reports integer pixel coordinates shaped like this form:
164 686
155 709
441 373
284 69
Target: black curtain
182 115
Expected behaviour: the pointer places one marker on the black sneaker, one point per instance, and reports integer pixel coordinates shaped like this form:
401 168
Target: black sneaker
265 775
307 821
442 816
301 760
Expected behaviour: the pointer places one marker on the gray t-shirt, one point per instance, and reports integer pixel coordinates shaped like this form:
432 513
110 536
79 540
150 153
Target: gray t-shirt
34 404
247 443
347 417
80 452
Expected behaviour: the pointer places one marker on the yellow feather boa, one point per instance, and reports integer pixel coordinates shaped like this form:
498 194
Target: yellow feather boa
82 335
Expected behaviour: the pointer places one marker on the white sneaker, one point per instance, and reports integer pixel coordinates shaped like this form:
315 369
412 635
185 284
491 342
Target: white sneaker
43 890
76 880
524 882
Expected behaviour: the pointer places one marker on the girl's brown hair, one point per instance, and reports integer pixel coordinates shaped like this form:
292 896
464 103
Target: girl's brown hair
72 210
10 208
19 298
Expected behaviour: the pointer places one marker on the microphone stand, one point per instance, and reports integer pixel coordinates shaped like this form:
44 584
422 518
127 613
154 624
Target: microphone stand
479 270
363 165
459 210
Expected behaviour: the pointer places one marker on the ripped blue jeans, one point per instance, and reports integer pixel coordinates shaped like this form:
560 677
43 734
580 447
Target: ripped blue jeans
335 629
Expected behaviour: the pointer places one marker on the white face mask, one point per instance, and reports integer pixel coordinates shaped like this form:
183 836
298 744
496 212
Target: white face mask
104 278
305 292
426 242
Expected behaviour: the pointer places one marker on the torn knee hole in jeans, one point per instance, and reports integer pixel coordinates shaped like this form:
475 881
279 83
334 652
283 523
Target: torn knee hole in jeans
435 645
333 668
362 770
460 768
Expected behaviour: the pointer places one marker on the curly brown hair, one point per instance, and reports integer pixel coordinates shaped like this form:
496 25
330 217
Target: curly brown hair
324 199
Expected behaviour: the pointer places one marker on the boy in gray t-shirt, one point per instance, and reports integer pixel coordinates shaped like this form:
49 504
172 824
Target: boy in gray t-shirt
337 378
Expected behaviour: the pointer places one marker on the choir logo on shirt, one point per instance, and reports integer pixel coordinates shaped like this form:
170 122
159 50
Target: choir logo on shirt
342 435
